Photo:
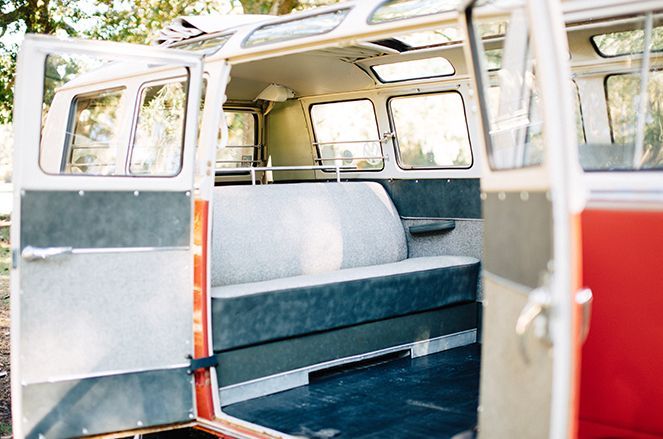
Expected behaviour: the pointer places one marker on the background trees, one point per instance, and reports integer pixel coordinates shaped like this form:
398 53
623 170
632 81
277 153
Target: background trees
134 21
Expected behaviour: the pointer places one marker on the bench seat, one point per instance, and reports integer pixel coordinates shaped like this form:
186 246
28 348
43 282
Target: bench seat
257 312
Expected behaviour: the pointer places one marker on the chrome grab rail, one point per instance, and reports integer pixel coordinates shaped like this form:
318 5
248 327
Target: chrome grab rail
385 137
376 157
239 161
31 253
258 146
347 141
252 170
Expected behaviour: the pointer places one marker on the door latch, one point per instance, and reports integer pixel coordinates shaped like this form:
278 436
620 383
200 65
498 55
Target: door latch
31 253
534 312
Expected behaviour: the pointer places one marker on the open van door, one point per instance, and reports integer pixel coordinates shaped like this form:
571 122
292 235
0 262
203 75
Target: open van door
102 278
531 201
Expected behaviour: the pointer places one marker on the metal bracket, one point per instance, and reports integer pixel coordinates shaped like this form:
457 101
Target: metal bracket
202 363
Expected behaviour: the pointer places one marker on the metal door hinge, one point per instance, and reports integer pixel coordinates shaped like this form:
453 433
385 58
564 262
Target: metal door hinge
202 363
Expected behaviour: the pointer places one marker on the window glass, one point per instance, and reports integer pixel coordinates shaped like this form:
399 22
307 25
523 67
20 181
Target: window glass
415 69
430 38
623 92
431 131
493 98
346 134
299 28
627 42
92 134
206 46
87 124
400 9
634 94
158 139
493 59
242 148
514 117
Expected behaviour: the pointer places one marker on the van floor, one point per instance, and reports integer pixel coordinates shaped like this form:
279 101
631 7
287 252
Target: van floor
431 396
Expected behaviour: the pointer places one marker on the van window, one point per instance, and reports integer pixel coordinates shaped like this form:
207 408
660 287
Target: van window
414 69
429 38
627 42
431 131
493 59
346 133
208 46
92 134
158 139
297 28
242 148
623 92
392 10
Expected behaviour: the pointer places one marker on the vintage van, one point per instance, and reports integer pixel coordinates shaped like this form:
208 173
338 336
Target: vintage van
373 219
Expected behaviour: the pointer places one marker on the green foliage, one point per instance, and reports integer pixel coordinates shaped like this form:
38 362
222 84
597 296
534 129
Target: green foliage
133 21
138 21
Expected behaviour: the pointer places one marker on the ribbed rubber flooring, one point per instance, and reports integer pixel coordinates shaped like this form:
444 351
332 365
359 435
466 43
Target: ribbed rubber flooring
435 396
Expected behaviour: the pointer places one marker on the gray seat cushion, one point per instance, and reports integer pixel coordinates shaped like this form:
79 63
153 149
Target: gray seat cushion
258 312
285 230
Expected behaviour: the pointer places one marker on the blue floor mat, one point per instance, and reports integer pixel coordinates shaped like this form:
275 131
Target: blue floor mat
435 396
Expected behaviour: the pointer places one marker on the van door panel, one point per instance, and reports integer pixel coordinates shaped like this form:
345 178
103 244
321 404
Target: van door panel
102 282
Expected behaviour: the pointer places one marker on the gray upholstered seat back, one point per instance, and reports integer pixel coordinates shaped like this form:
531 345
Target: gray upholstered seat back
282 230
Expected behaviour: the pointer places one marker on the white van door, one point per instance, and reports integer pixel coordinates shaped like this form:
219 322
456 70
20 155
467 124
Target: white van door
531 204
102 278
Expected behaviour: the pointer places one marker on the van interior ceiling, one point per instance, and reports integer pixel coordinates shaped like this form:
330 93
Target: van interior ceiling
380 268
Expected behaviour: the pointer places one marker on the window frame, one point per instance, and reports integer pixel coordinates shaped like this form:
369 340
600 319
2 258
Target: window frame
576 89
70 130
255 112
186 80
397 150
609 116
315 136
604 55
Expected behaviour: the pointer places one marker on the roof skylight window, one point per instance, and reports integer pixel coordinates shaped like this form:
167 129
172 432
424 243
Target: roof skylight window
206 46
393 10
415 69
297 28
418 40
627 42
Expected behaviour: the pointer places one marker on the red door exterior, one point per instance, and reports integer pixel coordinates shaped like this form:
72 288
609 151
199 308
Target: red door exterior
621 387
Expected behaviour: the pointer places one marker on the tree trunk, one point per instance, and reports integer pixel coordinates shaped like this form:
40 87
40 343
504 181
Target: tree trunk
273 7
282 7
